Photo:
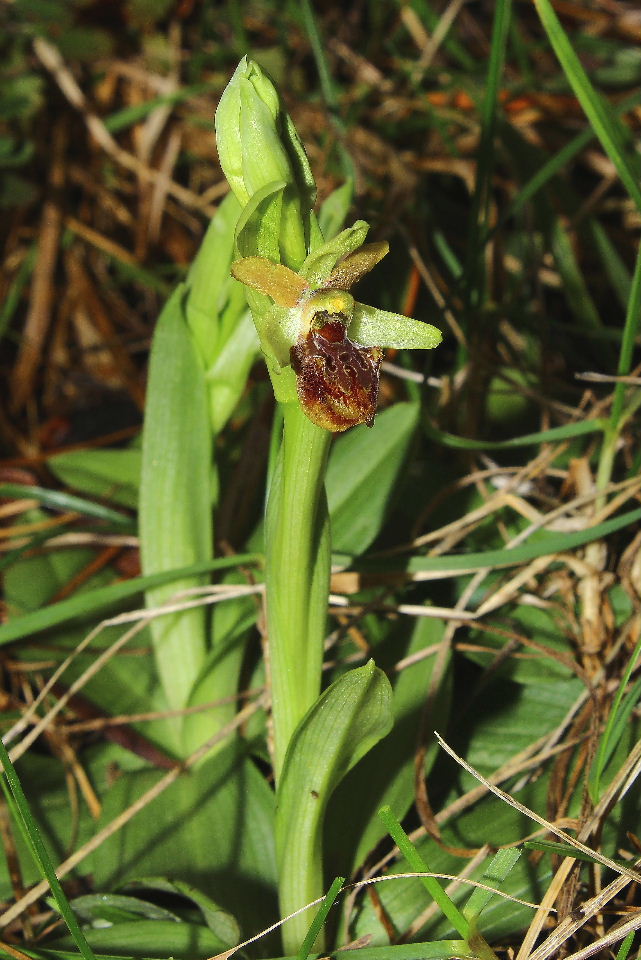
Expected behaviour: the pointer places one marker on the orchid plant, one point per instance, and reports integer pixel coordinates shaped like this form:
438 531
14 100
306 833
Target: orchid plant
323 351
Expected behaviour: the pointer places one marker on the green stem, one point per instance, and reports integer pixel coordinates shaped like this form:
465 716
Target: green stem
297 573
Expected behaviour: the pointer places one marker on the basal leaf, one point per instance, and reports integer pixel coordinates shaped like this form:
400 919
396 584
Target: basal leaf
386 775
150 938
212 829
112 474
345 722
363 468
176 493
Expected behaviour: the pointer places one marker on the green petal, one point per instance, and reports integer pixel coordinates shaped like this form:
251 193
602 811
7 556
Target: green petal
377 328
353 268
319 264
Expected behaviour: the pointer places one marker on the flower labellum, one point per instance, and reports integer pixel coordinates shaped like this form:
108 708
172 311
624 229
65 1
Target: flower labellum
337 380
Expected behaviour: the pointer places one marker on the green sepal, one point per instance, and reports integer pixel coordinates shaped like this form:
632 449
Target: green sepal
279 330
319 264
264 156
301 168
257 234
372 327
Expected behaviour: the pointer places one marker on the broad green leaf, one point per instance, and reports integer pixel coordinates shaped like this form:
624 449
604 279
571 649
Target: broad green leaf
209 282
176 494
334 210
227 376
219 921
219 679
386 775
345 722
30 582
111 474
212 828
363 468
527 665
526 711
107 909
116 688
150 938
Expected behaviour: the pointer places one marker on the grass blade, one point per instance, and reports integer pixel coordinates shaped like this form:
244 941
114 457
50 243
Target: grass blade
91 602
58 500
416 862
41 855
547 543
567 432
481 198
609 130
320 918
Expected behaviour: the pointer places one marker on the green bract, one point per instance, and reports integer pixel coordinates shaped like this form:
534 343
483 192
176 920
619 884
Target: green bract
258 145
